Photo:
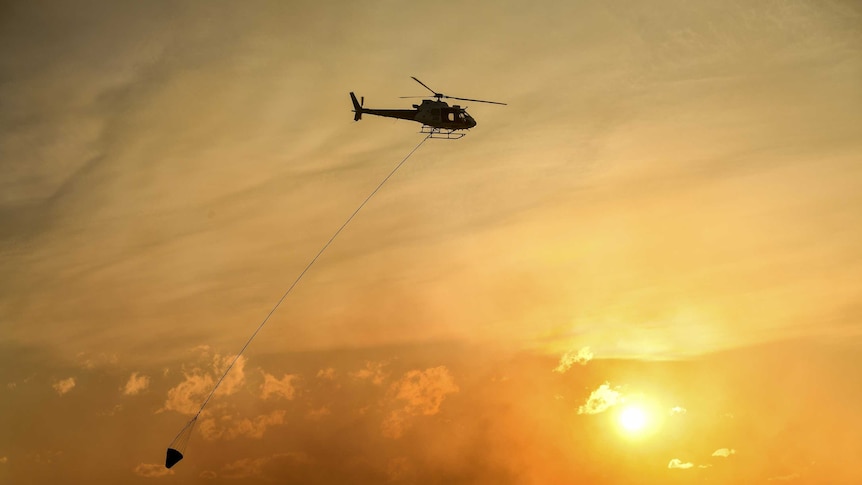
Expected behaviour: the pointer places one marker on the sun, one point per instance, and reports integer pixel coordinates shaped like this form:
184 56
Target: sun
633 419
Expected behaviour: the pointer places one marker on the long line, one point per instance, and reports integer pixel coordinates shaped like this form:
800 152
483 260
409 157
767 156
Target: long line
298 278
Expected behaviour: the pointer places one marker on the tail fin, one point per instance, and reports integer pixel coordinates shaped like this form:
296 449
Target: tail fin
357 107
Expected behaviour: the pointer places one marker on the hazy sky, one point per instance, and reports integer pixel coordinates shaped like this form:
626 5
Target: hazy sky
664 218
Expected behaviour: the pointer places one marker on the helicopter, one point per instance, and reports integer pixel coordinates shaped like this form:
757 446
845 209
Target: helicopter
439 120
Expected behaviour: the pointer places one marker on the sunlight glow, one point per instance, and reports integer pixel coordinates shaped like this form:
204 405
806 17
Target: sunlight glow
633 419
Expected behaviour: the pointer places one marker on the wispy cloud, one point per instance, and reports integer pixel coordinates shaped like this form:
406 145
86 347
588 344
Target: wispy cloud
136 384
318 413
327 374
91 361
228 427
601 400
398 469
679 464
373 371
187 396
272 386
677 410
256 467
724 452
424 391
418 392
151 470
111 412
46 457
4 459
63 386
784 478
581 356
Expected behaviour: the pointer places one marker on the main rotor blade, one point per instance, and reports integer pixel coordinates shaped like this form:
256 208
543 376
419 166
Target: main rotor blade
426 87
406 97
476 100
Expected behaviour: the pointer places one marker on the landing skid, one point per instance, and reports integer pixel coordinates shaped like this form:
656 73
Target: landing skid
441 133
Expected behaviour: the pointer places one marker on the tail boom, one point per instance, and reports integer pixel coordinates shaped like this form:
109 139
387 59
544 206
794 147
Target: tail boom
359 110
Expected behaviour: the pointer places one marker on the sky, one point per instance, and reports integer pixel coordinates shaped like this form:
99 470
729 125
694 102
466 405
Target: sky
646 268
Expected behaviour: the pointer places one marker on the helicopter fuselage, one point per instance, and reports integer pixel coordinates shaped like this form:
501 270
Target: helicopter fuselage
433 113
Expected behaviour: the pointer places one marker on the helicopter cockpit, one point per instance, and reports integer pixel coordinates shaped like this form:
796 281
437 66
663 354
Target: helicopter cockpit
457 115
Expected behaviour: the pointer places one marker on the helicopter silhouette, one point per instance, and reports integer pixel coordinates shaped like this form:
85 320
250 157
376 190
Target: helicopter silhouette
439 120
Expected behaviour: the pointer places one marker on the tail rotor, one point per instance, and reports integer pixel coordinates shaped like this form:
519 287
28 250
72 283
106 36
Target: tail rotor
357 107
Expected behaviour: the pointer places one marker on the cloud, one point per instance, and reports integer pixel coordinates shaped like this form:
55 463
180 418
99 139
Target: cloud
373 372
136 384
273 386
113 411
4 459
424 391
151 470
571 358
327 374
318 413
677 463
257 427
187 396
227 427
677 410
601 400
91 361
234 380
417 393
257 467
46 457
724 452
784 478
398 469
208 475
64 386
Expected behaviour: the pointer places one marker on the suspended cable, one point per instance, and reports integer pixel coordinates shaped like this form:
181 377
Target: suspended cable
177 446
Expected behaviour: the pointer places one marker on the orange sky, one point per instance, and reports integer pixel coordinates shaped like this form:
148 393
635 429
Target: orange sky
674 190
